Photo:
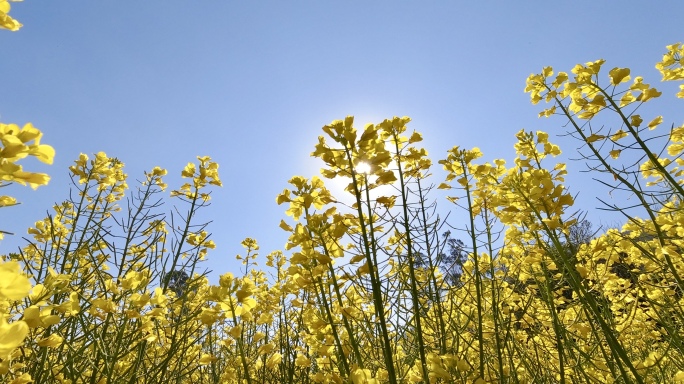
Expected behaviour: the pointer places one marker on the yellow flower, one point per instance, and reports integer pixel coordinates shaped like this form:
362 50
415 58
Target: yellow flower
679 377
6 201
594 137
302 361
626 99
32 316
13 284
671 65
463 365
25 378
11 336
362 376
226 280
618 75
17 143
159 298
189 170
54 340
619 135
209 316
655 122
6 22
206 359
274 360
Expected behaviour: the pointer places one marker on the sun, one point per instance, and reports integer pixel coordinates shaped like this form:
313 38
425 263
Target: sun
363 167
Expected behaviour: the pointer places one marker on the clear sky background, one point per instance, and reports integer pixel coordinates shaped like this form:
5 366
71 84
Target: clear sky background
250 83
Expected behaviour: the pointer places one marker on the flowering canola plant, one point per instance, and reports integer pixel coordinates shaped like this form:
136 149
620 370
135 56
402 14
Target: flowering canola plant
110 287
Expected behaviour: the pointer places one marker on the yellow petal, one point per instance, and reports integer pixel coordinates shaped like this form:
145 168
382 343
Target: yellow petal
13 284
6 201
11 336
51 341
618 75
594 137
415 137
655 122
44 153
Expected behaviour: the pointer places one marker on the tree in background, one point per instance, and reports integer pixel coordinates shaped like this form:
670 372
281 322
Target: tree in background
450 263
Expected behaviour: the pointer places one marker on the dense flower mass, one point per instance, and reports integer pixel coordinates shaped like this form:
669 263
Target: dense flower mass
369 289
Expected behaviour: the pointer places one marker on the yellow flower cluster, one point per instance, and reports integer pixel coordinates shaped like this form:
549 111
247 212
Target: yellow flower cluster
586 97
206 174
18 143
672 65
6 21
104 172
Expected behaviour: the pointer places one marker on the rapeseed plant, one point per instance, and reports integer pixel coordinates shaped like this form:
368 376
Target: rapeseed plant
110 287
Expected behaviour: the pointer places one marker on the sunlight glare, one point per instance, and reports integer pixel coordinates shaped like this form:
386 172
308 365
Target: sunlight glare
363 167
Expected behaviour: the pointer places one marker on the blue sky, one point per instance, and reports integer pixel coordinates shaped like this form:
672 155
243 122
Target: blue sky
251 83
